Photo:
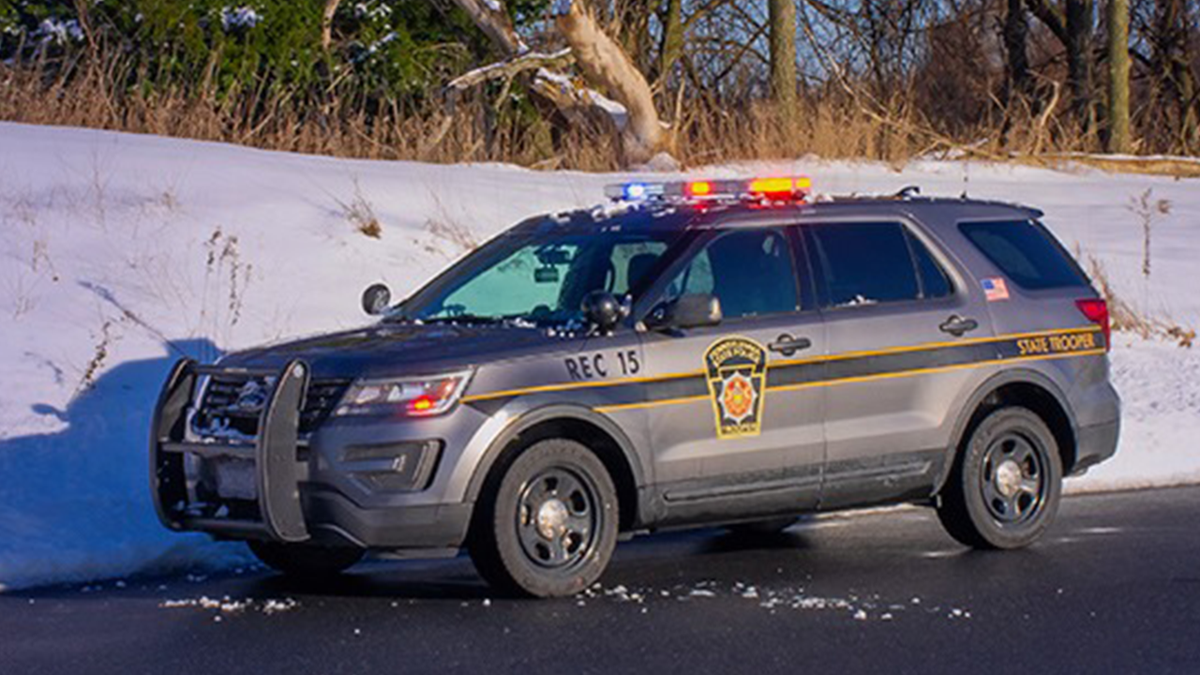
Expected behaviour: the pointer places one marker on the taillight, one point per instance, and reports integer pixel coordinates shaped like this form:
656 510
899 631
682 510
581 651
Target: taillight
1096 311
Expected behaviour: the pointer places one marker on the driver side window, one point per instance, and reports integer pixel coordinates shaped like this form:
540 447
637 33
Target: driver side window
749 271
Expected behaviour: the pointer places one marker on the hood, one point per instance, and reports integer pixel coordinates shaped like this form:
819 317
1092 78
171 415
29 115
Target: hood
398 349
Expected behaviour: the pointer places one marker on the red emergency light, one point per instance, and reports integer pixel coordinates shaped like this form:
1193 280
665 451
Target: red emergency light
772 188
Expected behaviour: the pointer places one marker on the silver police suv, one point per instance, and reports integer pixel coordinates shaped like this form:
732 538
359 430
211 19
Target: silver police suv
729 353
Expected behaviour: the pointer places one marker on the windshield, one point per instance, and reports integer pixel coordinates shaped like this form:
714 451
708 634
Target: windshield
540 278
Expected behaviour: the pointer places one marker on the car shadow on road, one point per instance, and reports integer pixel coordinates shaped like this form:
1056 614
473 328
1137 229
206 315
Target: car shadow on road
686 553
75 501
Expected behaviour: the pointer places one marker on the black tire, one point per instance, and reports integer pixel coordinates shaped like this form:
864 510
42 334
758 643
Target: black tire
762 528
1006 484
548 526
306 561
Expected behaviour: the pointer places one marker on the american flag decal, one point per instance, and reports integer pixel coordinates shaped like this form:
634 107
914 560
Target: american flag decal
995 289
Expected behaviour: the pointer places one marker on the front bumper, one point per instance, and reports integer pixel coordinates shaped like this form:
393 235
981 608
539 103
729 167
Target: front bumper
286 505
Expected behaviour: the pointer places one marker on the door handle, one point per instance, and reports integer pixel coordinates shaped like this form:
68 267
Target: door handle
787 345
958 326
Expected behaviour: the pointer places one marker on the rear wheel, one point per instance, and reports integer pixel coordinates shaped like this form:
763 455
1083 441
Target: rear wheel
306 561
548 527
1006 484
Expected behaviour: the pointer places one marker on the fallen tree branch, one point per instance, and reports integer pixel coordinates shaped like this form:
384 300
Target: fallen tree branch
510 68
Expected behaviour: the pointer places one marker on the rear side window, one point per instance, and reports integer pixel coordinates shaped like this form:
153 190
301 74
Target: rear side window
1026 253
871 263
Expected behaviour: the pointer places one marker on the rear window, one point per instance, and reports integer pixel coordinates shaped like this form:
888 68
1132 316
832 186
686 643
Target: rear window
1026 252
870 263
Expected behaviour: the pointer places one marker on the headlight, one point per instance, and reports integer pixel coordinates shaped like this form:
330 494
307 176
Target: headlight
406 397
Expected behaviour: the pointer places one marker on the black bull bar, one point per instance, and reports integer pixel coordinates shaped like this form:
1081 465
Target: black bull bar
277 470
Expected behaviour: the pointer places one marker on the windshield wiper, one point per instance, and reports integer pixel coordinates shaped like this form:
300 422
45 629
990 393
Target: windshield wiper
464 318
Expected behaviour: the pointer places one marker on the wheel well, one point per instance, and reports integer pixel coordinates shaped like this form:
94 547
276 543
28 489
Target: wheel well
605 447
1043 403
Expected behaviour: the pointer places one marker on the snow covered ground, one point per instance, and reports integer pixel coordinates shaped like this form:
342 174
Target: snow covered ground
121 253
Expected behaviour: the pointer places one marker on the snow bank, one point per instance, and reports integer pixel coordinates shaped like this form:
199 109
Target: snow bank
123 252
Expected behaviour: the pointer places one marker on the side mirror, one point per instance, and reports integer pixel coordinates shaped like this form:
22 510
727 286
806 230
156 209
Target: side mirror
603 310
376 298
693 311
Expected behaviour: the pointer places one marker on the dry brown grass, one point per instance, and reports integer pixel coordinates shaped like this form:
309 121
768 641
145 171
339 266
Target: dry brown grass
360 213
831 123
1128 319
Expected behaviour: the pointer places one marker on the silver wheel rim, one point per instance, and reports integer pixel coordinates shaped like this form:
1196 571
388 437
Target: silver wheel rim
558 518
1013 480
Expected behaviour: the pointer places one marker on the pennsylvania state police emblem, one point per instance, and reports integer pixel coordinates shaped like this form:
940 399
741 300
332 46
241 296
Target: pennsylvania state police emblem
737 374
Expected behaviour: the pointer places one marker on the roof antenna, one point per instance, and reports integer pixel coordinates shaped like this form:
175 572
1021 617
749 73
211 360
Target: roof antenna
966 178
908 192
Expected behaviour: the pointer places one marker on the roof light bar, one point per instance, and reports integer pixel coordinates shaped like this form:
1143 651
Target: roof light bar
777 188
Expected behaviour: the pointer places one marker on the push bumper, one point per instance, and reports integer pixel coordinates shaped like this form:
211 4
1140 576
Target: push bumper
288 508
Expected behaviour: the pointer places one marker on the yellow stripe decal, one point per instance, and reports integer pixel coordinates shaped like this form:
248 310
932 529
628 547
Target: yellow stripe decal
567 386
863 378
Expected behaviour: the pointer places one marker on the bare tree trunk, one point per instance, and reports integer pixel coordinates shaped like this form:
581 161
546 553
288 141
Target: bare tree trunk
672 39
491 18
633 20
782 15
331 7
1016 39
609 68
1118 76
1074 30
1080 22
1172 71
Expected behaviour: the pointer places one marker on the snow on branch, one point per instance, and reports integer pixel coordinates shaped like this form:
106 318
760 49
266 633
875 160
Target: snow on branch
566 89
510 68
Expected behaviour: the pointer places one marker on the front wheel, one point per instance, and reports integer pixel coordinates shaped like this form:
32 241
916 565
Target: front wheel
1006 483
549 526
306 561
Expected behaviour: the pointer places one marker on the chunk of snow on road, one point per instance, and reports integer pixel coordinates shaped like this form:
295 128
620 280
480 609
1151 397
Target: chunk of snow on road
227 605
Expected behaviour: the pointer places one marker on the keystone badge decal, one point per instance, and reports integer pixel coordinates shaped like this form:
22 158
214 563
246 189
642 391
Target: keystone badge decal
736 370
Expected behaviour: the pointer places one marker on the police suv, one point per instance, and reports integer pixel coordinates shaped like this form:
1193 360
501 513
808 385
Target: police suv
725 353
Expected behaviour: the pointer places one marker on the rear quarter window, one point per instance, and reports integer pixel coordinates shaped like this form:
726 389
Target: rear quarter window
1026 252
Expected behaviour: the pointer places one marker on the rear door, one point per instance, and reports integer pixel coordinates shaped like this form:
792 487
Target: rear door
900 328
726 444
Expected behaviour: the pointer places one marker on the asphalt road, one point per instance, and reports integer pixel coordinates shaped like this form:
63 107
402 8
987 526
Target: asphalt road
1114 588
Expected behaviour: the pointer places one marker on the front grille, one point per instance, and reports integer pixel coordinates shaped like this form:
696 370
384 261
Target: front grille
220 413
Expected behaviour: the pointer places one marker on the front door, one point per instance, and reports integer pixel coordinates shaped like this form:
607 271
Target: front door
730 439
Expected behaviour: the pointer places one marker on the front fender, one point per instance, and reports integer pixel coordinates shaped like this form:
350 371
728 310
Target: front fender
518 416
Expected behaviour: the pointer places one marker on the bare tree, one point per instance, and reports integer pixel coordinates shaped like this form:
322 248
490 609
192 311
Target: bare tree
605 65
1118 76
1173 29
1016 47
672 38
608 67
1073 29
782 15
